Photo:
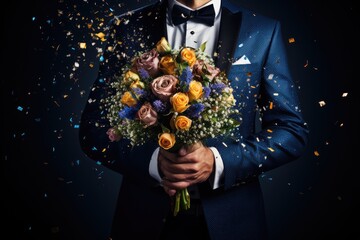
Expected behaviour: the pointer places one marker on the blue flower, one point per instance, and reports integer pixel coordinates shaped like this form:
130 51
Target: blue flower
140 92
207 92
143 74
185 78
195 110
128 112
159 106
218 87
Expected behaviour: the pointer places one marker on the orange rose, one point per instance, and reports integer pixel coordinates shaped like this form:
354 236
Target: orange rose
130 77
167 65
167 140
137 84
128 99
188 55
163 46
179 102
182 123
195 90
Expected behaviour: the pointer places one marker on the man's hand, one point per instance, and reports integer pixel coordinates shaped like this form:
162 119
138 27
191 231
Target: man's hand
192 164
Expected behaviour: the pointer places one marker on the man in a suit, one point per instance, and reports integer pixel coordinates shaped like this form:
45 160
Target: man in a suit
222 173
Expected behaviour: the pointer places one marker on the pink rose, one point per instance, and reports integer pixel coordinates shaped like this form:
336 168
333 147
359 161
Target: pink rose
148 61
147 114
113 135
202 69
164 87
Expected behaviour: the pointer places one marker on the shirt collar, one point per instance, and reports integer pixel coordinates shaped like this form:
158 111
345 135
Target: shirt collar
216 3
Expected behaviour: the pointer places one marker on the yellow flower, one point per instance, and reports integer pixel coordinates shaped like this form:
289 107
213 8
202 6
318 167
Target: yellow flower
128 99
130 77
163 46
179 102
137 84
167 65
188 55
182 123
167 140
195 90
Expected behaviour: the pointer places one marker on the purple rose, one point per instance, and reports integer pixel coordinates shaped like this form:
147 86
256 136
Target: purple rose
148 61
164 87
202 69
147 115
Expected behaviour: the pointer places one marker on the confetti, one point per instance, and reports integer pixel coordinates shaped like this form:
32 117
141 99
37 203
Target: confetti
345 94
19 108
82 45
322 103
291 40
271 150
316 153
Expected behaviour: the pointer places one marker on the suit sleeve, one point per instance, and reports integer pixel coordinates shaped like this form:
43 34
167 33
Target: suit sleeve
284 133
119 156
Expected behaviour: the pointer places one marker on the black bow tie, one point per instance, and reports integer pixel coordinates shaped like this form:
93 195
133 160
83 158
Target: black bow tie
205 15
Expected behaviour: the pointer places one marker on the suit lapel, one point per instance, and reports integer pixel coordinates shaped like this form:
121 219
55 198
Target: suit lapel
229 31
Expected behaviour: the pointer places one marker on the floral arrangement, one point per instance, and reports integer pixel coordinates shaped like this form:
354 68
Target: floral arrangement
177 97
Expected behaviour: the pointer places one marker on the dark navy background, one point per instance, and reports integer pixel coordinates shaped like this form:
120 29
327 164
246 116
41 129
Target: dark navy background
52 191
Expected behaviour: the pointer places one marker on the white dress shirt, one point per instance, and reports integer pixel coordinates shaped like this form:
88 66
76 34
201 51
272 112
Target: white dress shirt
192 34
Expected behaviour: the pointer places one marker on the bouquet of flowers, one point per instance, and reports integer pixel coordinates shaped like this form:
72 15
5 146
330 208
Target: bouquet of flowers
176 97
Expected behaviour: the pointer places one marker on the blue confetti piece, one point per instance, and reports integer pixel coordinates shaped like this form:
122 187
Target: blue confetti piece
76 126
101 80
77 162
71 120
111 9
33 18
270 178
101 58
48 21
101 173
73 48
37 119
20 108
94 148
98 163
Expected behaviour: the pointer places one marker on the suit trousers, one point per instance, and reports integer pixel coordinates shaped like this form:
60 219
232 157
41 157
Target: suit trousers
187 224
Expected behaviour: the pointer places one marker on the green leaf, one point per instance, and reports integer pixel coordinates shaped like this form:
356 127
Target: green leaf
203 47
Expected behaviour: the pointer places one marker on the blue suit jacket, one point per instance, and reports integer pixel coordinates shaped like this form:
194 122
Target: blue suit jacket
234 211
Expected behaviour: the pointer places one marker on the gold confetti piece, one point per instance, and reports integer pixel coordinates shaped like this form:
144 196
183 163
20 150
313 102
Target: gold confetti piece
249 74
82 45
104 150
316 153
344 94
252 86
271 105
65 96
269 130
91 65
271 150
101 36
291 40
322 103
